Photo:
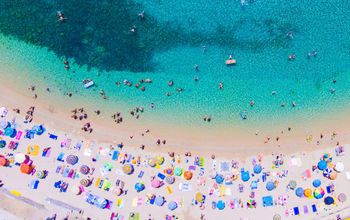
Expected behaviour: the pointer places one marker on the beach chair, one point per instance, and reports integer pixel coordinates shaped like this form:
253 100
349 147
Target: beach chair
314 208
78 146
101 184
306 210
115 155
296 211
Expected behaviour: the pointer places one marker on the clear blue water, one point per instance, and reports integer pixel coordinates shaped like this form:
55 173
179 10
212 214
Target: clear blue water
255 35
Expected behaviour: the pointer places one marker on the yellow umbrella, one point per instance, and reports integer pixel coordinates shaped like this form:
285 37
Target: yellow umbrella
199 197
159 160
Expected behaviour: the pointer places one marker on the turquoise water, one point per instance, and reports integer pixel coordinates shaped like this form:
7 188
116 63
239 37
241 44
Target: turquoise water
168 44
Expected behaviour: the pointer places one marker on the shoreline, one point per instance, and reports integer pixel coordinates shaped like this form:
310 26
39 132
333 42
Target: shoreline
177 140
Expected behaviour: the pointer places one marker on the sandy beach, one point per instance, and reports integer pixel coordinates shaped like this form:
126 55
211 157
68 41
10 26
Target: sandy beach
296 159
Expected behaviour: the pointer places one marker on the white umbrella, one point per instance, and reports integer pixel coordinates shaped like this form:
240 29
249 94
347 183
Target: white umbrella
20 157
3 111
76 190
339 167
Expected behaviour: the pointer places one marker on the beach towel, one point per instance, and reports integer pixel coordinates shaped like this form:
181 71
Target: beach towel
88 148
169 190
60 157
296 211
19 135
34 184
139 201
115 155
66 172
78 146
141 174
98 182
306 210
52 136
134 202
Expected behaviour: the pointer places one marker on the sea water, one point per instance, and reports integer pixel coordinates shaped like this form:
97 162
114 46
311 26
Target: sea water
95 39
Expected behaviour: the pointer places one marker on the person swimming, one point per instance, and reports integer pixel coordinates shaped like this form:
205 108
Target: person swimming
60 15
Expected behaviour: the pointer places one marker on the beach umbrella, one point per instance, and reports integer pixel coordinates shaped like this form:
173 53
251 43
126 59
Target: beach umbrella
139 187
188 175
322 164
319 193
327 172
4 124
172 205
199 197
159 201
2 143
245 176
84 169
85 182
76 190
170 179
308 193
3 161
159 160
270 186
40 174
292 184
251 203
155 183
151 162
25 168
299 192
257 168
328 200
169 171
212 173
219 179
178 171
128 169
316 183
20 157
220 205
339 167
342 197
9 131
72 159
117 191
333 175
327 158
276 217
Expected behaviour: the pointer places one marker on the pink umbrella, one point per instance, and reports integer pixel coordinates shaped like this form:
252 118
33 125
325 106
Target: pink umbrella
155 183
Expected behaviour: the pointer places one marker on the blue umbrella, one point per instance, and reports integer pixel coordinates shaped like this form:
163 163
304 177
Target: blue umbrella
220 205
159 201
219 179
8 131
328 200
172 205
270 186
257 168
245 176
299 192
2 144
322 165
139 187
36 129
316 183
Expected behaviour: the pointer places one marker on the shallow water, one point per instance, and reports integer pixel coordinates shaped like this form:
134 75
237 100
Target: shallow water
168 44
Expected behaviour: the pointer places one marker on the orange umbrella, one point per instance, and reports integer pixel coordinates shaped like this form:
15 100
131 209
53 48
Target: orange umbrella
333 175
188 175
25 168
3 161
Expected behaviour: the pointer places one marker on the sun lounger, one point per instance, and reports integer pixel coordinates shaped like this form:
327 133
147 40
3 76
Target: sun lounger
141 174
58 169
66 172
306 210
314 208
296 211
34 184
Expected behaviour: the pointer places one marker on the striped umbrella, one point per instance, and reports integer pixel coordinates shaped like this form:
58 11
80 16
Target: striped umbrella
169 171
128 169
85 182
277 217
2 144
327 157
40 174
151 162
117 191
327 172
72 159
170 179
84 169
251 203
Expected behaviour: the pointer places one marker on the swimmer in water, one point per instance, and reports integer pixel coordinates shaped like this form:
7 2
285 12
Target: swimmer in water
221 86
141 15
196 67
204 47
